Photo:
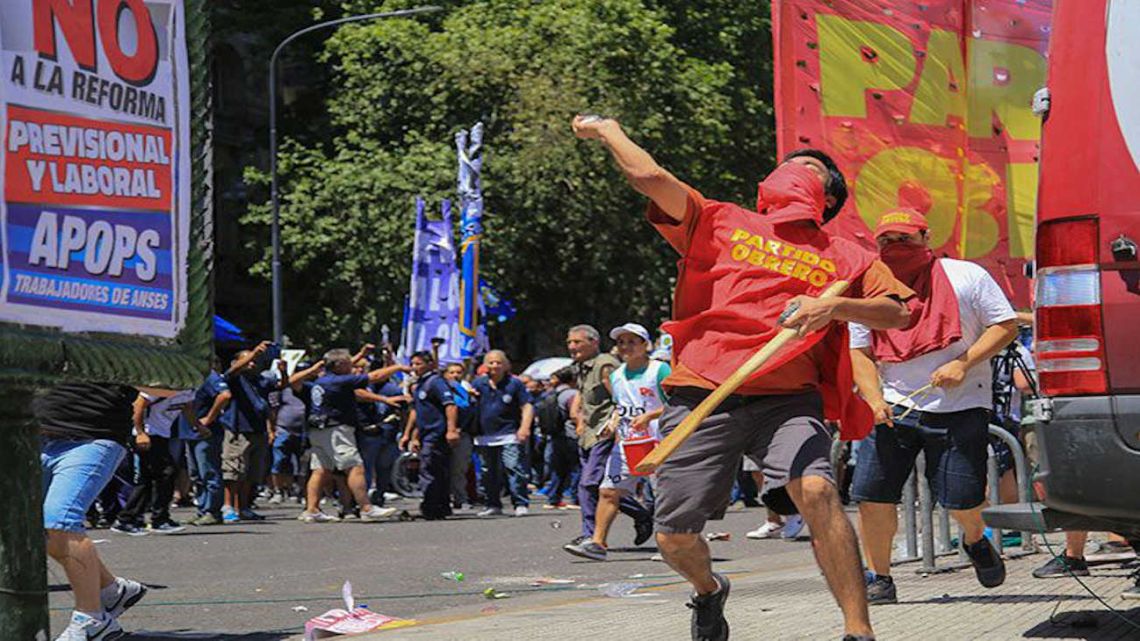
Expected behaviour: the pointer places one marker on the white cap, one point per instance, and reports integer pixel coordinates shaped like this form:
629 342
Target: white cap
631 328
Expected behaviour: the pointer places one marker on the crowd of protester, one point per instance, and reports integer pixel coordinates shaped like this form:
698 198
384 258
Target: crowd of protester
344 436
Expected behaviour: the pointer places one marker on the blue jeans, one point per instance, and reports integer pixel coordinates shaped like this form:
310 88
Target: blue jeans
74 473
562 462
510 459
207 455
379 452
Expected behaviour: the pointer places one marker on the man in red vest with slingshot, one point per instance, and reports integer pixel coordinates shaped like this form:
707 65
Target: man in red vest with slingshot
739 270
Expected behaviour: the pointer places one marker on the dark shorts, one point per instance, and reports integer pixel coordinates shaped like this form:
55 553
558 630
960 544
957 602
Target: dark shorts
785 433
955 445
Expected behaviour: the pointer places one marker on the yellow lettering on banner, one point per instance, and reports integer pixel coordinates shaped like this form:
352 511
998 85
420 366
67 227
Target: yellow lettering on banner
739 234
801 271
1021 203
757 242
941 90
811 259
884 173
827 266
772 247
979 231
740 252
756 258
772 263
817 278
856 56
1003 78
786 266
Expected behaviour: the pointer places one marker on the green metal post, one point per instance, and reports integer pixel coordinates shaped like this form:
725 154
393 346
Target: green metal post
23 566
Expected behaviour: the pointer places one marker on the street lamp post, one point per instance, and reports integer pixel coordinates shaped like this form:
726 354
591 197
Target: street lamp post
275 223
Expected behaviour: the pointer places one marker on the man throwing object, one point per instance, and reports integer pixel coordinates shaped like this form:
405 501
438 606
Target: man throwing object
739 271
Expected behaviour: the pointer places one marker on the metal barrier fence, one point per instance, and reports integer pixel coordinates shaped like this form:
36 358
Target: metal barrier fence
919 505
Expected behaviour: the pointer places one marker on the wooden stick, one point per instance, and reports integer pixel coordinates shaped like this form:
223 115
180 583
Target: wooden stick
666 447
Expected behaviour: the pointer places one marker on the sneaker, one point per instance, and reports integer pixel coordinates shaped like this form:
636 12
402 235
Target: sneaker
491 511
988 565
316 517
1109 551
793 528
347 516
880 590
231 517
554 506
169 527
708 622
586 550
206 519
570 505
644 530
522 510
84 627
770 530
377 513
277 498
249 515
118 597
391 496
1062 566
657 557
130 529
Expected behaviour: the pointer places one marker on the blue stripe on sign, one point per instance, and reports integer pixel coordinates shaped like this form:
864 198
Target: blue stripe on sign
14 289
20 241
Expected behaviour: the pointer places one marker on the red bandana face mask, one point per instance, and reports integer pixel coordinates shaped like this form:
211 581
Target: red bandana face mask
909 263
791 193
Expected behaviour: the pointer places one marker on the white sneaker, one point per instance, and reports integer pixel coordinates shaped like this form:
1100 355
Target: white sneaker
522 510
793 527
491 511
125 594
316 517
377 513
391 496
769 530
276 499
84 627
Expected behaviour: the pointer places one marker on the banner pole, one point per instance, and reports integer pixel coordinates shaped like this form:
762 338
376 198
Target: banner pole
23 562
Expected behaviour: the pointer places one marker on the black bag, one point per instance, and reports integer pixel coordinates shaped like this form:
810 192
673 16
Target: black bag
551 417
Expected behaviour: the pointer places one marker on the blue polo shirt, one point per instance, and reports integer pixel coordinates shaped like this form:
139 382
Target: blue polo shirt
203 400
389 388
432 396
500 408
249 409
334 397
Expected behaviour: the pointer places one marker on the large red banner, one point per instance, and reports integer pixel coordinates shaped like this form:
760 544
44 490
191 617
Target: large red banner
925 104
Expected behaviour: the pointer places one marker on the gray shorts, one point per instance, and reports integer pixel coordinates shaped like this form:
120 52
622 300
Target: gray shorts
334 448
785 433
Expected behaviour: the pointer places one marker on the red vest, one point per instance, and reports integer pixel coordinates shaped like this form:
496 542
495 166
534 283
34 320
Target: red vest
738 276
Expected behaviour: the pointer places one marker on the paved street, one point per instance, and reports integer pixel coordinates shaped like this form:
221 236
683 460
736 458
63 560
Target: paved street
245 581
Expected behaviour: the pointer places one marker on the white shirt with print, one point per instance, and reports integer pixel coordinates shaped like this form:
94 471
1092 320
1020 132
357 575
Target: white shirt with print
981 303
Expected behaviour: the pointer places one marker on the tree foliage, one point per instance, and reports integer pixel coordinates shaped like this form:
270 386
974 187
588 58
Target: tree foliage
564 233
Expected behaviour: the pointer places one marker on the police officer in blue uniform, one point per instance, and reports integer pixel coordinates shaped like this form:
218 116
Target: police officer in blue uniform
435 418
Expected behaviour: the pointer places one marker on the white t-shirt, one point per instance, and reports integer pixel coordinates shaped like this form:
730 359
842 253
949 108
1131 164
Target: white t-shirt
981 303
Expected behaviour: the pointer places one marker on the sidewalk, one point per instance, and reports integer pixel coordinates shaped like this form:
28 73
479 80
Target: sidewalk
786 599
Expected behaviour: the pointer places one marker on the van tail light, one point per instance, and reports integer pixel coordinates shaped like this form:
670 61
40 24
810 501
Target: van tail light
1070 331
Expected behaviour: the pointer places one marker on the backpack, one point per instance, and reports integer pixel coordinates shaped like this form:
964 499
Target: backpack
551 417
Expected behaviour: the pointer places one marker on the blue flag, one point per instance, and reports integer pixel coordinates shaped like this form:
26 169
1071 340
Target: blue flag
432 309
470 189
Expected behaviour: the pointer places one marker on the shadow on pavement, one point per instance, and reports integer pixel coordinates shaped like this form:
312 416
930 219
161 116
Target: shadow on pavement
1001 598
182 635
1088 624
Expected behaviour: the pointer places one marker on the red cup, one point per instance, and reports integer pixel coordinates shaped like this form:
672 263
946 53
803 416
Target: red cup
637 449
